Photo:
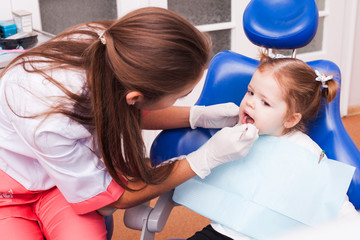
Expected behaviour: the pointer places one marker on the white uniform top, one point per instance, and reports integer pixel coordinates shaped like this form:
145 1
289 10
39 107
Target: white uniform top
40 152
305 141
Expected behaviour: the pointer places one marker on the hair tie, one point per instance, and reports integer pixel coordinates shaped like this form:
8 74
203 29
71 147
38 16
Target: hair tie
270 54
102 37
322 78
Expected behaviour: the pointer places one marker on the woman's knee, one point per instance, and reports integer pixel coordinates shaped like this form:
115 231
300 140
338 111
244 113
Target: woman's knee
16 228
89 226
59 221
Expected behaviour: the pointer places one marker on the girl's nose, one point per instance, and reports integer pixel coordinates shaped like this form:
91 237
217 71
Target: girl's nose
250 103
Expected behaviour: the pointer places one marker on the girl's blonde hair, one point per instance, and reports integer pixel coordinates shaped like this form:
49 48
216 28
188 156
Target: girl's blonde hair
150 50
302 93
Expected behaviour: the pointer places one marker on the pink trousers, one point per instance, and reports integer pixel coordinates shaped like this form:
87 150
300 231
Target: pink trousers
44 214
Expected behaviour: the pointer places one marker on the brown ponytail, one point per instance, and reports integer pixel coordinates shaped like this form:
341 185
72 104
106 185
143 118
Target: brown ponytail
330 92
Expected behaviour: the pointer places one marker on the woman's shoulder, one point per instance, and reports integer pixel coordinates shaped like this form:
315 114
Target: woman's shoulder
23 76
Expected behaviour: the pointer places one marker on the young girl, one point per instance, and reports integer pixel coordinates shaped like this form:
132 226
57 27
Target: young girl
283 96
71 114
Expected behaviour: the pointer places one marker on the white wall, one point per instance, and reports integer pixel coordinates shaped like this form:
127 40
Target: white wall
354 97
7 6
5 10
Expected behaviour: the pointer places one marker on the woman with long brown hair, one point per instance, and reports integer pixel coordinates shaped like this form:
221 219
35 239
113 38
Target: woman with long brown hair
71 115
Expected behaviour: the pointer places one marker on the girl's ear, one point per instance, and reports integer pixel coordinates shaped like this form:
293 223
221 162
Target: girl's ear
292 120
133 97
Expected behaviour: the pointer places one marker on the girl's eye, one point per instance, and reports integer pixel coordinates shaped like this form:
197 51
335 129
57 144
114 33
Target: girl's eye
250 93
266 103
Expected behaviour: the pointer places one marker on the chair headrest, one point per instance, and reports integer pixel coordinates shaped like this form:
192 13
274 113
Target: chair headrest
281 24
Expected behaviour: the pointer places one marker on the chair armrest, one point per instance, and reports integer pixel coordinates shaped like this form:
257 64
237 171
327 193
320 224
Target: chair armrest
135 217
160 213
155 218
147 219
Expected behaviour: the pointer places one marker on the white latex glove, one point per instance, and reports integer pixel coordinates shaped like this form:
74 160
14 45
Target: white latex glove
215 116
226 145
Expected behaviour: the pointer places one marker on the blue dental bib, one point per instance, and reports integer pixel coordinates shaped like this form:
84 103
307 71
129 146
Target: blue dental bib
277 187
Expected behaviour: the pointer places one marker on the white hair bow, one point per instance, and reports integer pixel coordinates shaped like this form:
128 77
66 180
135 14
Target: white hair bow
322 78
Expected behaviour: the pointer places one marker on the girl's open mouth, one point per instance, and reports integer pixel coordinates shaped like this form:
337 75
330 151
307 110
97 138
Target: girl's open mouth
247 119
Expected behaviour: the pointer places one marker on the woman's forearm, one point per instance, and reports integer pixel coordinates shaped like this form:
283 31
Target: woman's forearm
172 117
180 173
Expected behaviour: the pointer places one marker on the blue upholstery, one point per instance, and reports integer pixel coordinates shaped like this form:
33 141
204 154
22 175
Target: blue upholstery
329 132
281 24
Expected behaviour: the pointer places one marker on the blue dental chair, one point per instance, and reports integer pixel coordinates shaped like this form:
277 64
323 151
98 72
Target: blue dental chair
281 24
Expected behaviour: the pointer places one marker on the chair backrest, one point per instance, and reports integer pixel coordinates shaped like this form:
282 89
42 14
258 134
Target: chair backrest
281 24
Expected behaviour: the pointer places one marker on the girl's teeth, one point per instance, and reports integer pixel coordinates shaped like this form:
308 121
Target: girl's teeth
243 119
247 119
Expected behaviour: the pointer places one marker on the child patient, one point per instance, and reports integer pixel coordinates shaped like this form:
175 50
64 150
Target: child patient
284 95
